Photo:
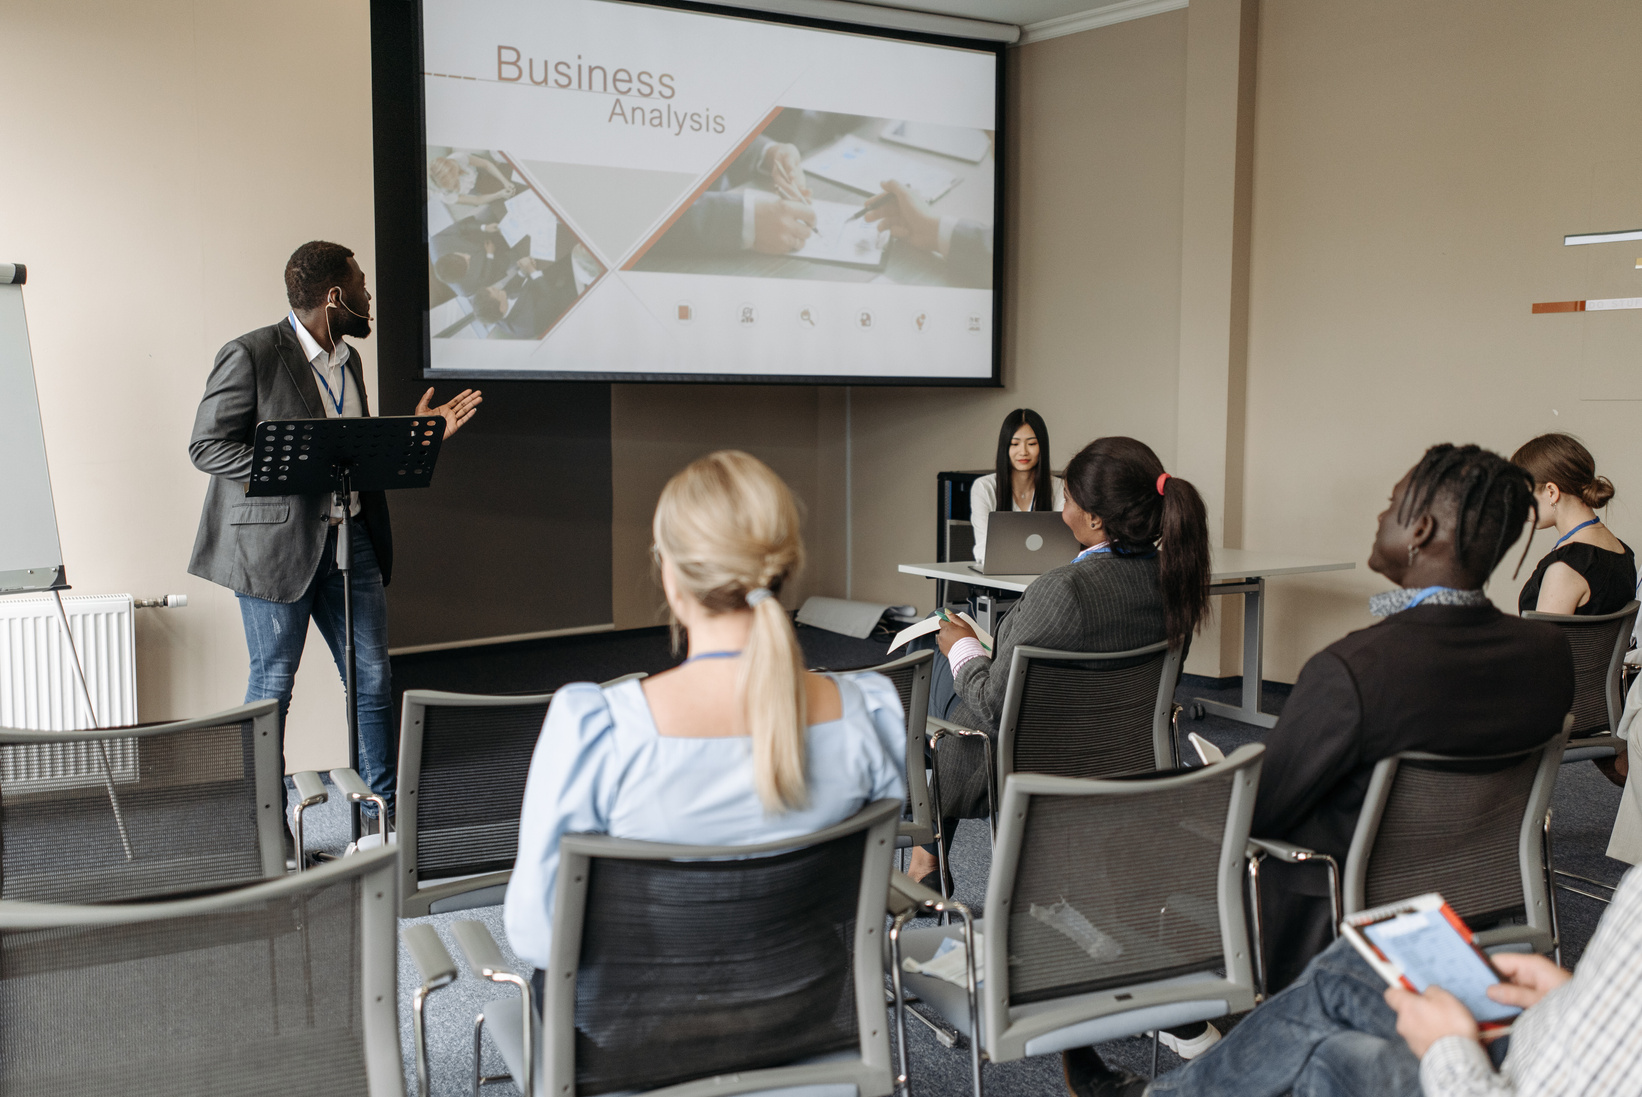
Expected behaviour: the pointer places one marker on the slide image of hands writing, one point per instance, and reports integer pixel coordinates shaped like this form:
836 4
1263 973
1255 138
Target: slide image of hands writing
501 263
841 197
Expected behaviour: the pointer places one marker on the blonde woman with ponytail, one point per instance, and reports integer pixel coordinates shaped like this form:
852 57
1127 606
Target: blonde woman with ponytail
738 744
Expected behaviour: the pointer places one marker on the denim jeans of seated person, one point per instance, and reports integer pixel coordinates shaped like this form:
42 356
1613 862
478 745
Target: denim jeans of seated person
1329 1034
276 632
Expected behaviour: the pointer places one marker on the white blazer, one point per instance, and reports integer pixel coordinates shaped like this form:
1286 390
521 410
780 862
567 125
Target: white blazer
983 500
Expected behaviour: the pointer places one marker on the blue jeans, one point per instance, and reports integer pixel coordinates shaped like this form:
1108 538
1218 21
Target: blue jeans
276 632
1329 1034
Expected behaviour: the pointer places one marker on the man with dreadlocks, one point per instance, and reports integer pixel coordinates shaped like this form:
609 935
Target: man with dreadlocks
1444 671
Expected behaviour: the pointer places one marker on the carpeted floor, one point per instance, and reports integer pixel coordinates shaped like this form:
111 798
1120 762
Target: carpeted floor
1583 813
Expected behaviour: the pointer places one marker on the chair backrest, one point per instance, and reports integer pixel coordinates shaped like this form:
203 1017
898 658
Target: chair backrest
141 813
671 963
1080 714
1470 828
1599 643
910 674
463 760
287 985
1132 885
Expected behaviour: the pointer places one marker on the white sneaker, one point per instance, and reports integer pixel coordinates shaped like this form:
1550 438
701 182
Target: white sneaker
1192 1048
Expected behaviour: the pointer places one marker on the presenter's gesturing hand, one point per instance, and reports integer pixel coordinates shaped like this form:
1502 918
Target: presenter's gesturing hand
457 411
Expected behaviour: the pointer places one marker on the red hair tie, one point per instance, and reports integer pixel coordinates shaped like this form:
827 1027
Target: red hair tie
1162 477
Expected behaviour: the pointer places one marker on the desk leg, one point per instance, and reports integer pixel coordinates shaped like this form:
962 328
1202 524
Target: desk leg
1254 621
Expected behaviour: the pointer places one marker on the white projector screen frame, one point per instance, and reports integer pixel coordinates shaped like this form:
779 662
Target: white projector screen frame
661 285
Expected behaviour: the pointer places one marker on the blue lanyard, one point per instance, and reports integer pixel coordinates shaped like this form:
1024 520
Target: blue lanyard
1573 531
336 401
712 655
1423 594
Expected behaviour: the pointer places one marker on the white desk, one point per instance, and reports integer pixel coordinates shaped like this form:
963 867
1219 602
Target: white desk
1234 571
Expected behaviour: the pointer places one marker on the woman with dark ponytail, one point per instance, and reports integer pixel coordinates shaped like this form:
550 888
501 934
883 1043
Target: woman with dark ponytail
1143 576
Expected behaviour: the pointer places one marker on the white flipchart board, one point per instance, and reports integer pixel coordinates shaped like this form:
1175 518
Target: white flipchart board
31 556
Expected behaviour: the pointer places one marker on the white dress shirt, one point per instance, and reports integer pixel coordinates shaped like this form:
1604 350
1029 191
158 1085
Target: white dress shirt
332 379
983 500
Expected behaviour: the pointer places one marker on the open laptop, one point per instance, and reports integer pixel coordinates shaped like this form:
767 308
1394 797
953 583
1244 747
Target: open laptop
1028 542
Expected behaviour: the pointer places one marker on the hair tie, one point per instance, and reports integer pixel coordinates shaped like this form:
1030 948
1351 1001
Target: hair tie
757 595
1161 477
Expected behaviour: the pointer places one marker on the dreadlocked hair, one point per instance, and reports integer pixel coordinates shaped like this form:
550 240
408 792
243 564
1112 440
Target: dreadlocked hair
1492 499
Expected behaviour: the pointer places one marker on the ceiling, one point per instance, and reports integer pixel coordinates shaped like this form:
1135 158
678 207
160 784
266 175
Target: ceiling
1019 12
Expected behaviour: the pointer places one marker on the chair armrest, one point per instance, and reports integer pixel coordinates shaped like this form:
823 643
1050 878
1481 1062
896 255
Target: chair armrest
936 727
310 790
480 950
349 783
434 965
1283 851
906 893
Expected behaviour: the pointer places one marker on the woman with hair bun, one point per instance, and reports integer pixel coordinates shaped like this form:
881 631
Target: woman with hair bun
1588 571
738 744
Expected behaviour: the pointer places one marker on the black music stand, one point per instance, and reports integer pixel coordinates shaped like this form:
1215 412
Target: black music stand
338 457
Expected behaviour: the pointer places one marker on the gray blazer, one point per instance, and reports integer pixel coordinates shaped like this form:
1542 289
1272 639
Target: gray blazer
268 547
1104 602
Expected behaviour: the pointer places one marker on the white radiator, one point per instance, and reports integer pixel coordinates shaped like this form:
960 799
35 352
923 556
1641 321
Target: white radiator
39 690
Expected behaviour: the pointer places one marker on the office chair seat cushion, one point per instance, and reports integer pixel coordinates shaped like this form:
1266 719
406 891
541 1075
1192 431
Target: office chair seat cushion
502 1022
952 1001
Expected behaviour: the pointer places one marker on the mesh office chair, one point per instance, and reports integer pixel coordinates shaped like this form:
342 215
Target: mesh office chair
139 813
286 986
1474 829
1081 714
463 761
920 825
1114 907
695 970
1599 644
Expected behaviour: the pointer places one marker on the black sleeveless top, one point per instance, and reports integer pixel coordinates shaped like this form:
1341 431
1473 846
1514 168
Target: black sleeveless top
1610 575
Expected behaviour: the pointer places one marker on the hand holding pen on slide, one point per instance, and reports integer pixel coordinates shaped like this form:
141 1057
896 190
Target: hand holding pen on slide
905 215
786 168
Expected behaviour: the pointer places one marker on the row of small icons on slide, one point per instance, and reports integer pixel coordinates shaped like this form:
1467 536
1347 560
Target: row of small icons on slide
862 319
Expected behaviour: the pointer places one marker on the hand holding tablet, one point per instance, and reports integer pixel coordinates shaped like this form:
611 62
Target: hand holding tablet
1441 982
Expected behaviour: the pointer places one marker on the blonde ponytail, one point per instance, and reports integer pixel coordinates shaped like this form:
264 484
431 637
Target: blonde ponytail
729 527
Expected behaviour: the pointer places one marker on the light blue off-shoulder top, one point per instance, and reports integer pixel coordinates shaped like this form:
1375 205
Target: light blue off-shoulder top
601 767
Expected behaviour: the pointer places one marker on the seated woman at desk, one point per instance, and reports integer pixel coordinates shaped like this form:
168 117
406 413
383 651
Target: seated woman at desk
1142 577
1023 464
735 746
1589 571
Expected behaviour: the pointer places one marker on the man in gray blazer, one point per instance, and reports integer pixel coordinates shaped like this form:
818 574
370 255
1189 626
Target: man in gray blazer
278 553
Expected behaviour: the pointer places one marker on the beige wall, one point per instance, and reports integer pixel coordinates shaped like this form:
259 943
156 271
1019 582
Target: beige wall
655 430
163 160
1417 166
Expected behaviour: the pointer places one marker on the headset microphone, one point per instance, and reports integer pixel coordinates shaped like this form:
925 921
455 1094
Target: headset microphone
339 301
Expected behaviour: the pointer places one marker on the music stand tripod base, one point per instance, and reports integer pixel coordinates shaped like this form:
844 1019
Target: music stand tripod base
338 457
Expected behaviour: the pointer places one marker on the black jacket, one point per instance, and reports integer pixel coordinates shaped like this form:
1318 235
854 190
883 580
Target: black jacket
268 546
1447 679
